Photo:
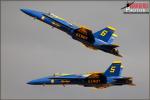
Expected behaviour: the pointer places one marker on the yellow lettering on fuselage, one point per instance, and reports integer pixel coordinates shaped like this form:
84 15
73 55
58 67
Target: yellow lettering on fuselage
81 36
56 24
65 81
94 81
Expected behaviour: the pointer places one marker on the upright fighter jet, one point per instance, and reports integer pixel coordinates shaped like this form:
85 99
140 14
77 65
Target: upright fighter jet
111 77
100 40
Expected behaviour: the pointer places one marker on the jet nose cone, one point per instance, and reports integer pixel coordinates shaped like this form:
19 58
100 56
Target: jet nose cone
35 82
39 81
28 11
31 82
33 13
24 10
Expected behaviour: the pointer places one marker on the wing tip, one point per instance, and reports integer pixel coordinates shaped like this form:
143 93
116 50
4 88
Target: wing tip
115 35
112 28
117 61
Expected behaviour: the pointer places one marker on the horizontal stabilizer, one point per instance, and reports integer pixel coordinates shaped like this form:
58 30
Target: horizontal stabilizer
124 78
111 46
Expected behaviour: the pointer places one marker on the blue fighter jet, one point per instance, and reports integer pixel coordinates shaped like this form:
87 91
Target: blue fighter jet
111 77
100 40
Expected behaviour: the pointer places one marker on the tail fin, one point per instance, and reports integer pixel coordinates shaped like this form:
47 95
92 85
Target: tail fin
115 69
106 34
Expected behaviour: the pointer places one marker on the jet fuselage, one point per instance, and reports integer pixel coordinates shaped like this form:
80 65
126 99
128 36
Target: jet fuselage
81 34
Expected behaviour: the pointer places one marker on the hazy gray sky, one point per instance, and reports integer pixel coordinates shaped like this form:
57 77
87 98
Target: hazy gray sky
31 49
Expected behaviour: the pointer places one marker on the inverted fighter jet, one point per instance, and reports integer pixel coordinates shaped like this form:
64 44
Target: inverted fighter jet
100 40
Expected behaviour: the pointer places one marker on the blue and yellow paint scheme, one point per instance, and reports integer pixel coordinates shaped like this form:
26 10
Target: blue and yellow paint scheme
100 40
111 77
